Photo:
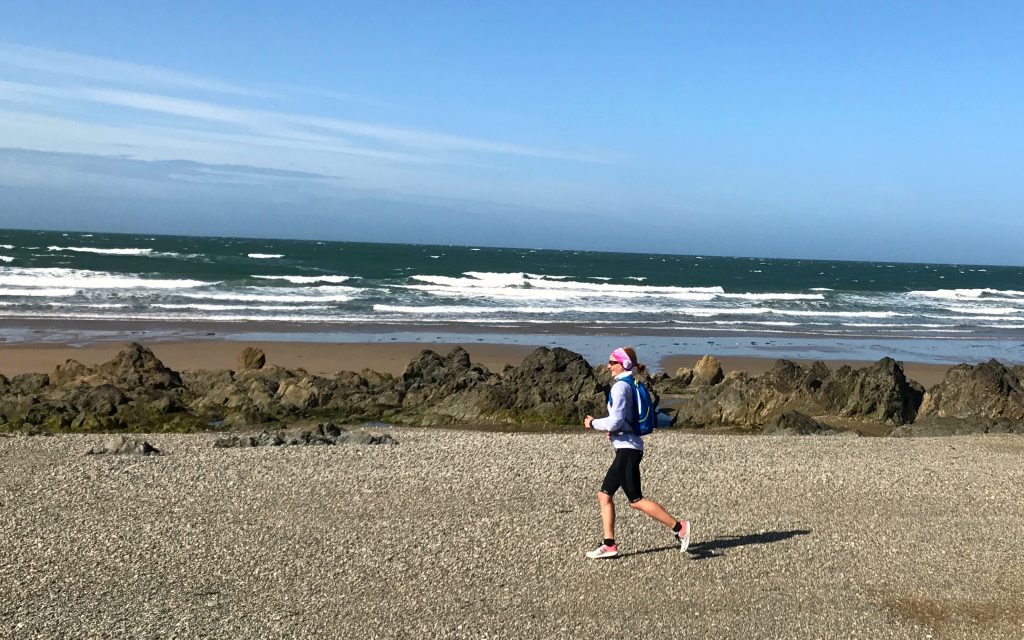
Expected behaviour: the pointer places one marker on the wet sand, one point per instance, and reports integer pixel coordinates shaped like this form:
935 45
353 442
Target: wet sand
328 358
317 358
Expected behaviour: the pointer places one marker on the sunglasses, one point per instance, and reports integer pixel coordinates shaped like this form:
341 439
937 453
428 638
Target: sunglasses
614 362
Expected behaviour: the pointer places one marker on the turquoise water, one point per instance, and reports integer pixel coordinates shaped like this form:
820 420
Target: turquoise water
337 287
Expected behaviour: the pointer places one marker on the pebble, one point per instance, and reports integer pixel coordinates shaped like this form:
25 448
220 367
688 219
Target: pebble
463 534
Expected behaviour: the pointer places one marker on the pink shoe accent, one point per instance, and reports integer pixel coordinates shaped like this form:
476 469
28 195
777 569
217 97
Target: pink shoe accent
603 551
684 536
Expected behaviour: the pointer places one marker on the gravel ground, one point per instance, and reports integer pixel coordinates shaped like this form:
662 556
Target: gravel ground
460 534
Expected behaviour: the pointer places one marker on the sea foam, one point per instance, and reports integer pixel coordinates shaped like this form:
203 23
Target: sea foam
526 286
268 295
968 294
241 307
442 310
111 252
38 293
85 279
306 279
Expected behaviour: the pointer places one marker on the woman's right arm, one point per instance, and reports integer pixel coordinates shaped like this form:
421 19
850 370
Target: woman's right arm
616 420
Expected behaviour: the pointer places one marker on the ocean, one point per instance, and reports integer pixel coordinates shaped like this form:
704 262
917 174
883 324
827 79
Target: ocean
341 287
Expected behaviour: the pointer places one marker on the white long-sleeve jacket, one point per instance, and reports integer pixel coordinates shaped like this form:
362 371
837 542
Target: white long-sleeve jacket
621 415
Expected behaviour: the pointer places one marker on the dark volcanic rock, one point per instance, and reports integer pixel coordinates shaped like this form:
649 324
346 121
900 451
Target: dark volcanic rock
102 400
551 385
121 445
677 383
443 389
322 434
554 386
987 390
133 368
953 426
796 423
454 371
879 392
135 391
707 372
69 372
27 384
200 381
251 358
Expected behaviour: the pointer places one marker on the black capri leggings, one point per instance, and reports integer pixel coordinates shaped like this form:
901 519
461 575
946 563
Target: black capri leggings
625 473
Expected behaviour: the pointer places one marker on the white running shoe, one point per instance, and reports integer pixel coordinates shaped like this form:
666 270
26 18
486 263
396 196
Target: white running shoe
604 551
684 536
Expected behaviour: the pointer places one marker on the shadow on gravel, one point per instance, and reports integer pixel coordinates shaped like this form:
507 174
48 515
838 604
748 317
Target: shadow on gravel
716 548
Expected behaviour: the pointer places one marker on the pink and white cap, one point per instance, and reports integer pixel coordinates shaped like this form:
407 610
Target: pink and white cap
622 358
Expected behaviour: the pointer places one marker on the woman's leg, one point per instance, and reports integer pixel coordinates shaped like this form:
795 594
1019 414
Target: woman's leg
631 484
607 514
612 482
654 510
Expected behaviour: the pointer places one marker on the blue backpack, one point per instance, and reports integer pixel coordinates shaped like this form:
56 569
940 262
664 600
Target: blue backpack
646 409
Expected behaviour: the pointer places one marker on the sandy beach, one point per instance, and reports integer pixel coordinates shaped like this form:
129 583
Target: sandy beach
328 358
316 358
455 533
458 534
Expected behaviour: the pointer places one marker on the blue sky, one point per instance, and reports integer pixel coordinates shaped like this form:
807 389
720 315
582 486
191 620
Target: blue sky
826 130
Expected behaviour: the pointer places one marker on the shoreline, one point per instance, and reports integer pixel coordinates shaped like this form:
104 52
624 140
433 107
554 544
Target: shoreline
325 359
1008 348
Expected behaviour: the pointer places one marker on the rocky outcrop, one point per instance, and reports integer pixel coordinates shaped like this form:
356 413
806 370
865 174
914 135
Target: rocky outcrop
552 386
135 367
132 390
121 445
934 425
983 398
794 423
135 391
987 390
438 389
251 358
880 392
705 373
322 434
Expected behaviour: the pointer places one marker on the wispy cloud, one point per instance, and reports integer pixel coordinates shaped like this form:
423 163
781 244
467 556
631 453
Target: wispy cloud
60 64
277 121
62 102
79 67
294 91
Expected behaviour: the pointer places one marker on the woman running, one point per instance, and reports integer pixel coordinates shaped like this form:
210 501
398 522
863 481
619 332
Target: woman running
620 425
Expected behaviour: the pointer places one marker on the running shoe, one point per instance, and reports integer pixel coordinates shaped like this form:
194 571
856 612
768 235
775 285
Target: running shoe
604 551
684 536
